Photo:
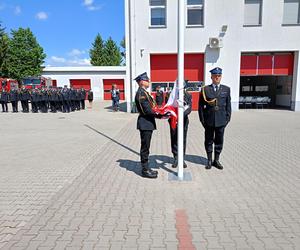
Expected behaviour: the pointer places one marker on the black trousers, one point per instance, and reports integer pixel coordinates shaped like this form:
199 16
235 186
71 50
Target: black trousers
4 107
82 104
53 106
34 107
58 105
14 105
146 136
72 105
44 106
25 106
214 135
173 135
66 107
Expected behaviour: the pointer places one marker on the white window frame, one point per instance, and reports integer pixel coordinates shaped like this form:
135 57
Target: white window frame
157 7
260 15
291 24
194 7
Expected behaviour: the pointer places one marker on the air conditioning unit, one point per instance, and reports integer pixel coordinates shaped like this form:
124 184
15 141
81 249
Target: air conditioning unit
215 42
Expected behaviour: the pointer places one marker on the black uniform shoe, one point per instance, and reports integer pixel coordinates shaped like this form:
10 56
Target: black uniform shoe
217 164
147 173
209 164
153 171
175 163
209 160
184 164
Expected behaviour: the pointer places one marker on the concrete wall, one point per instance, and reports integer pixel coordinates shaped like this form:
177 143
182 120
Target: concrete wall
271 36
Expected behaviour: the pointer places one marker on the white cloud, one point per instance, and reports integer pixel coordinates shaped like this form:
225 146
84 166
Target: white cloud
18 10
90 5
79 62
92 8
76 52
88 2
57 59
41 15
61 61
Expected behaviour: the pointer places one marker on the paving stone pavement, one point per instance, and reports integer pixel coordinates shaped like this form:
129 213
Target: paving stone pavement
253 203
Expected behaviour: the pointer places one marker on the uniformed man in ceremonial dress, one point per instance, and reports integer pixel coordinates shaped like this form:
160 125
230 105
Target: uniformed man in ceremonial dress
34 100
24 97
83 96
66 99
14 99
4 100
214 113
145 123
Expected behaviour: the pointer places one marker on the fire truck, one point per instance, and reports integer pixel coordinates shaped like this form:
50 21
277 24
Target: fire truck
8 84
36 82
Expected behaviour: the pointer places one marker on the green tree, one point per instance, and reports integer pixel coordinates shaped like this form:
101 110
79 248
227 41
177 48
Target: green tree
25 56
123 52
97 52
112 54
3 51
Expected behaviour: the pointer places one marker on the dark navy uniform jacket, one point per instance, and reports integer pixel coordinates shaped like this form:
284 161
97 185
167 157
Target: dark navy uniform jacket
209 114
4 97
83 94
66 95
144 103
24 95
14 96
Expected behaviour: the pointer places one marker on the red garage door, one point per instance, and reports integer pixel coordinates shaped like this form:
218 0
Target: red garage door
272 64
164 69
54 83
107 85
283 64
265 65
80 83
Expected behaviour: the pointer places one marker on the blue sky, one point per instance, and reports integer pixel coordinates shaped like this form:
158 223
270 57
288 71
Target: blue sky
66 28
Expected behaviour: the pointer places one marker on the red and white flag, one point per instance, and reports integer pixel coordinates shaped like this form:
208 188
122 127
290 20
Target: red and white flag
170 109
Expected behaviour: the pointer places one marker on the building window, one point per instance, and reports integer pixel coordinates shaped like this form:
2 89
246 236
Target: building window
291 11
158 13
194 12
253 12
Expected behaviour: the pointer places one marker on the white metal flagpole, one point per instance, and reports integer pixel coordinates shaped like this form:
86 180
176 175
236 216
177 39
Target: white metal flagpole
180 66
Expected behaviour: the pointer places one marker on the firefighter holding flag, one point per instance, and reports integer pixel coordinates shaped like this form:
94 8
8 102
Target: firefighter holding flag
146 122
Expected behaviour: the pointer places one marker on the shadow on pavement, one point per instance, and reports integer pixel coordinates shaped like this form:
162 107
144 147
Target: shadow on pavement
123 107
113 140
196 159
155 162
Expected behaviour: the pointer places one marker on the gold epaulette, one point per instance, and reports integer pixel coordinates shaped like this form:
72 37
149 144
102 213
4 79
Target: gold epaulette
211 102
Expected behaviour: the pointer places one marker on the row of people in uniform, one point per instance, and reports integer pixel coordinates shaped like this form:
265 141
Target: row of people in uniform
214 114
44 99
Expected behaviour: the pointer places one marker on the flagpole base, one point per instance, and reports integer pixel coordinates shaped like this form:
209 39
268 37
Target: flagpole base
187 176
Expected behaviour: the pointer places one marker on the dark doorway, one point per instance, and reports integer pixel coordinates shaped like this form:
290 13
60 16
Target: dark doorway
265 92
